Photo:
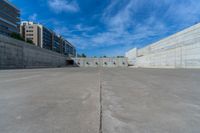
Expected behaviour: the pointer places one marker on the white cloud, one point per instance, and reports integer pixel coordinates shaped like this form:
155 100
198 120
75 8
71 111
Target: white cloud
80 27
63 6
184 11
61 30
117 24
33 17
124 30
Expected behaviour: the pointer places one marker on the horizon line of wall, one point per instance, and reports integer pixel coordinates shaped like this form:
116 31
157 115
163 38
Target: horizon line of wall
181 50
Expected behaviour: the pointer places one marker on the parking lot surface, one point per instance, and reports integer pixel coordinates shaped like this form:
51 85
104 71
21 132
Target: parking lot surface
95 100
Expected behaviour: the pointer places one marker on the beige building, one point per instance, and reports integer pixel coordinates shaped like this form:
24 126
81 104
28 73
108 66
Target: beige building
45 38
32 32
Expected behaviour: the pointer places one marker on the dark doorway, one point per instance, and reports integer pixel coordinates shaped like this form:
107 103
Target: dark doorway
69 62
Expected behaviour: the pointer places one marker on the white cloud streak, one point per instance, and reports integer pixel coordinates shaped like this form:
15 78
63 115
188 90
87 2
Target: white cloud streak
59 6
33 17
125 30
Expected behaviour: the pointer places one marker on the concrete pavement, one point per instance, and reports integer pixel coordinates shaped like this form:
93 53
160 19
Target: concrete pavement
151 101
67 100
49 101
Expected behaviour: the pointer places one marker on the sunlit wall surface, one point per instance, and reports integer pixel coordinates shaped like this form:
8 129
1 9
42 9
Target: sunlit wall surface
181 50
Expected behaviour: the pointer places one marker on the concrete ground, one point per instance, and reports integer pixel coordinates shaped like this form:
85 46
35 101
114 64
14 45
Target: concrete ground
49 101
88 100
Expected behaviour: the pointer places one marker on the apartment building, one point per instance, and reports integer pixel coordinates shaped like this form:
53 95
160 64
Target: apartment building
56 43
45 38
69 49
9 18
38 34
31 32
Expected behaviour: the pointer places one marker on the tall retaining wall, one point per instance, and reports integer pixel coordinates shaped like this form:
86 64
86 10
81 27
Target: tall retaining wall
101 62
181 50
179 57
18 54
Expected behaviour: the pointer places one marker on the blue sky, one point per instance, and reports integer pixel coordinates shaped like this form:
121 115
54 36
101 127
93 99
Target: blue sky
111 27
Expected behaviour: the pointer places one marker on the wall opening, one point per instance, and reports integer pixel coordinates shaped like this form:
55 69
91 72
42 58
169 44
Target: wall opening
69 62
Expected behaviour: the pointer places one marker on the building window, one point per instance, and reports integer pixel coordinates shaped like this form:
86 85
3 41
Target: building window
29 31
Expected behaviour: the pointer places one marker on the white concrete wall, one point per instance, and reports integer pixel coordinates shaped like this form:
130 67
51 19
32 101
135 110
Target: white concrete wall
180 57
181 50
131 55
101 62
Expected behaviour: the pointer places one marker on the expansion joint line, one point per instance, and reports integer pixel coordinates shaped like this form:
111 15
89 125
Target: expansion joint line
100 101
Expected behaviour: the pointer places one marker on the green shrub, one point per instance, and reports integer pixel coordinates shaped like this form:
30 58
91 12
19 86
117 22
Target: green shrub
17 36
29 41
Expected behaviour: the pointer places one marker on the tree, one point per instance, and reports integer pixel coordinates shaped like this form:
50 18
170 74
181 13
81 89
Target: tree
29 41
120 56
83 55
78 55
17 36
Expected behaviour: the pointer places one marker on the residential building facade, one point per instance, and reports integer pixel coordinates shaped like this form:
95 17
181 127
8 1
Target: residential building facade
9 18
56 43
45 38
31 32
69 49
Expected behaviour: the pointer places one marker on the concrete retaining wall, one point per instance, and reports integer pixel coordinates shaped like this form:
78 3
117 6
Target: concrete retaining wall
180 57
181 50
101 62
18 54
